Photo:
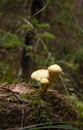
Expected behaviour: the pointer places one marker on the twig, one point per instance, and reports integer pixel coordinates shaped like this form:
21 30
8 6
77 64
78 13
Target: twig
17 96
22 120
26 21
40 10
64 84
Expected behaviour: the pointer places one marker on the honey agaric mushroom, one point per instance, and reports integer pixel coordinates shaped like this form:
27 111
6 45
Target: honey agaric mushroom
45 82
39 74
54 70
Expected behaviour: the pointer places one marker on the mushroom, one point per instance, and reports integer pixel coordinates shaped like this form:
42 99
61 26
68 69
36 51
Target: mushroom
39 74
45 82
54 69
43 76
46 76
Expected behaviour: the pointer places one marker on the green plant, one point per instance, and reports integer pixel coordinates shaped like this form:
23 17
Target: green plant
44 126
79 56
79 107
42 35
9 40
6 72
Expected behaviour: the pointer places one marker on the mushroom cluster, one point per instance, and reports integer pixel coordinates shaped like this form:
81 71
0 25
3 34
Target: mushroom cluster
45 76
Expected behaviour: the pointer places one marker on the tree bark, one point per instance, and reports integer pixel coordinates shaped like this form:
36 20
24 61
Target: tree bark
26 61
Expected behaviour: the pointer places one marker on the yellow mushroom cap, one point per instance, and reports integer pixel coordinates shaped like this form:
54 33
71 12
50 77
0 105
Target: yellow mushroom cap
40 74
55 69
44 81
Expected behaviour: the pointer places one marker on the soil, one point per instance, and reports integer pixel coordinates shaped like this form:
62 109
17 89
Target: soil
21 105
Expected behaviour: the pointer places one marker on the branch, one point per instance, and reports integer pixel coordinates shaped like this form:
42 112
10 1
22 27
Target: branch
41 10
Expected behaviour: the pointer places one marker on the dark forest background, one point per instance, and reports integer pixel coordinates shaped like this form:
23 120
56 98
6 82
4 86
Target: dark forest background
60 27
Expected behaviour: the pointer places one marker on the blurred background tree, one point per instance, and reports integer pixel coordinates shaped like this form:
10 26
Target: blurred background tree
65 22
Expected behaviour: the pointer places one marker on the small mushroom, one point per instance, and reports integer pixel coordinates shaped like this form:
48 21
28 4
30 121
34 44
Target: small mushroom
40 74
54 69
45 82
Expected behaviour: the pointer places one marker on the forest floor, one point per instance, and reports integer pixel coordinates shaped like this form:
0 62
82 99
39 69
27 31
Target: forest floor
21 105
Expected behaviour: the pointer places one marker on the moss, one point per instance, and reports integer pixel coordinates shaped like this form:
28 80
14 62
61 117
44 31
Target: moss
50 107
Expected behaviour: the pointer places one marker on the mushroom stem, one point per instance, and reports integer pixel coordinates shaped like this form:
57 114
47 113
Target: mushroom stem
54 70
51 77
44 88
45 83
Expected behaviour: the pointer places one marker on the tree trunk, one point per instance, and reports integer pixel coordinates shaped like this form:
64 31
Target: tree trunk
26 61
